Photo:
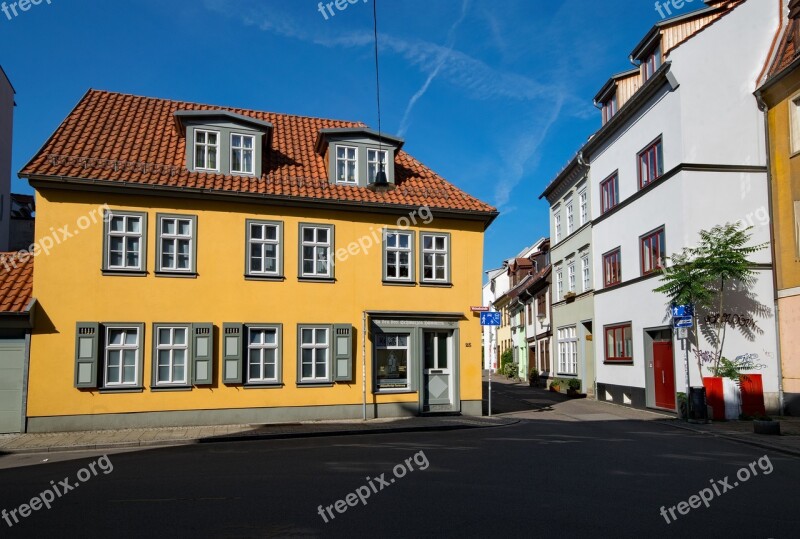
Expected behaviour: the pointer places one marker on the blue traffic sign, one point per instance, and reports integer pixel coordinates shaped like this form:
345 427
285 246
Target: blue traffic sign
680 311
683 321
490 319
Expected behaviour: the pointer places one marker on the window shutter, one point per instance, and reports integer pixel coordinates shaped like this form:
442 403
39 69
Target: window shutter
202 354
232 353
343 353
87 348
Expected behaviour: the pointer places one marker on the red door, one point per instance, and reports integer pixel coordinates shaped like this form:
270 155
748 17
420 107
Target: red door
664 373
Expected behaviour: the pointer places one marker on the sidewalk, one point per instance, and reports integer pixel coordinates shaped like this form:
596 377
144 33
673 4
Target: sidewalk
536 403
126 438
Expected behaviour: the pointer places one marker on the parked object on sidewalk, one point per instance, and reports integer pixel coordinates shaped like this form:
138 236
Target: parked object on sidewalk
767 426
534 379
698 412
752 389
554 387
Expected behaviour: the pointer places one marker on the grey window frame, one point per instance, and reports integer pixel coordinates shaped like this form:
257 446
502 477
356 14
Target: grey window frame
413 367
318 382
448 259
331 250
194 149
242 149
377 151
278 382
278 275
106 267
192 271
155 383
411 279
106 326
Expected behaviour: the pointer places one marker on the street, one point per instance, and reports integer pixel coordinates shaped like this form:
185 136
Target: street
596 477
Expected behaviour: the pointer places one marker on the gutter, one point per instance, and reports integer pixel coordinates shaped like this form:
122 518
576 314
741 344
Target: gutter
762 106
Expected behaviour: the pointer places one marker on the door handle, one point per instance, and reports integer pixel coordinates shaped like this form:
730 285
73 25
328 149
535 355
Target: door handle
663 380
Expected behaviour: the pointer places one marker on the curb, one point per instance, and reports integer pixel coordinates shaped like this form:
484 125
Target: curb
250 437
785 450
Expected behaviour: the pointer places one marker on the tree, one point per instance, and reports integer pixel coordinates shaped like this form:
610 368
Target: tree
704 275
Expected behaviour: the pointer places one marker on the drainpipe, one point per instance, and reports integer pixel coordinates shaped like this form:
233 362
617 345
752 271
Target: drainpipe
762 106
364 361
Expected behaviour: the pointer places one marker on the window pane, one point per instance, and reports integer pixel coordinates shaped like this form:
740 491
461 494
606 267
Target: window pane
131 337
164 336
271 232
180 336
117 224
322 235
307 336
322 336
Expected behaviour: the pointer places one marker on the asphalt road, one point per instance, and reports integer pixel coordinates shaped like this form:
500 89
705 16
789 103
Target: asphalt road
569 479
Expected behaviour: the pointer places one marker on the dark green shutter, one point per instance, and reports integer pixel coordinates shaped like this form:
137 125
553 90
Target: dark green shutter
202 354
87 349
232 339
343 352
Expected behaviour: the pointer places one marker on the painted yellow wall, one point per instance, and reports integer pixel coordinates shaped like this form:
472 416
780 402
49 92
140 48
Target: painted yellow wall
69 287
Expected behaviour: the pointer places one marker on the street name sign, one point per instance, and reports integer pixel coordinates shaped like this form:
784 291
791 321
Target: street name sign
479 309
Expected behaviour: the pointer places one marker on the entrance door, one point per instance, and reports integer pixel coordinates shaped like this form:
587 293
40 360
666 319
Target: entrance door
438 371
12 365
664 374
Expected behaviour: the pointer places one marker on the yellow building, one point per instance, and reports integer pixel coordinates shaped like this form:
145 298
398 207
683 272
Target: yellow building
780 96
208 265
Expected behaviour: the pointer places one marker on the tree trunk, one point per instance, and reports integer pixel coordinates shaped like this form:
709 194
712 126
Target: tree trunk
718 352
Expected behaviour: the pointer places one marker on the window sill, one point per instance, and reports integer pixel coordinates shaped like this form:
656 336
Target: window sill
315 384
329 280
437 285
273 278
389 282
177 274
618 362
160 389
124 273
109 390
394 391
265 385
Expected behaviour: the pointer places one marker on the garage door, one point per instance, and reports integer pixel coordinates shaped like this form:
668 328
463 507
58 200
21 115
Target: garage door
12 363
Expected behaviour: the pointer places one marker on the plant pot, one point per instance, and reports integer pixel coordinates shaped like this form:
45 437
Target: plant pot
555 389
767 427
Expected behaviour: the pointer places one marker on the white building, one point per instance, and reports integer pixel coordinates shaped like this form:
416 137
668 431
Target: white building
681 149
6 128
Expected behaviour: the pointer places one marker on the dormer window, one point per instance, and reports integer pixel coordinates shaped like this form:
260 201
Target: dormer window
242 154
651 64
609 108
206 150
347 165
376 159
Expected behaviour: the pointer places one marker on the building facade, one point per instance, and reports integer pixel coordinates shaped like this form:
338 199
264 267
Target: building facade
570 199
779 96
681 153
6 131
240 266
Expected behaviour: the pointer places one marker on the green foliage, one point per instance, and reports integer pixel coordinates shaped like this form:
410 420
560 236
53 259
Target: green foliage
698 275
505 358
574 384
511 370
535 375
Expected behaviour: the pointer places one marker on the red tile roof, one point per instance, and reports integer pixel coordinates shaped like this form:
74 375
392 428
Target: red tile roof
134 140
16 283
788 50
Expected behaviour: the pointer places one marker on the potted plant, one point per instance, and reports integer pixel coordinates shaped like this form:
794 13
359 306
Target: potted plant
555 387
683 406
569 296
534 378
574 387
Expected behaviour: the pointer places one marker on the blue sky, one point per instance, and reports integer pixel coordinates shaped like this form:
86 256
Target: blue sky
496 96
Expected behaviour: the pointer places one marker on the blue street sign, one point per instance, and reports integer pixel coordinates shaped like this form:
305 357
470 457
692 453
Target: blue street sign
490 319
680 311
683 321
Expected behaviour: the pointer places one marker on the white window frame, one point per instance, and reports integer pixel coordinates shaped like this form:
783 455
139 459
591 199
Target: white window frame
586 273
122 348
175 238
557 218
568 350
372 156
347 164
316 245
397 250
263 242
559 284
171 347
571 276
435 253
583 199
262 346
125 235
243 150
570 217
205 144
794 122
315 346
